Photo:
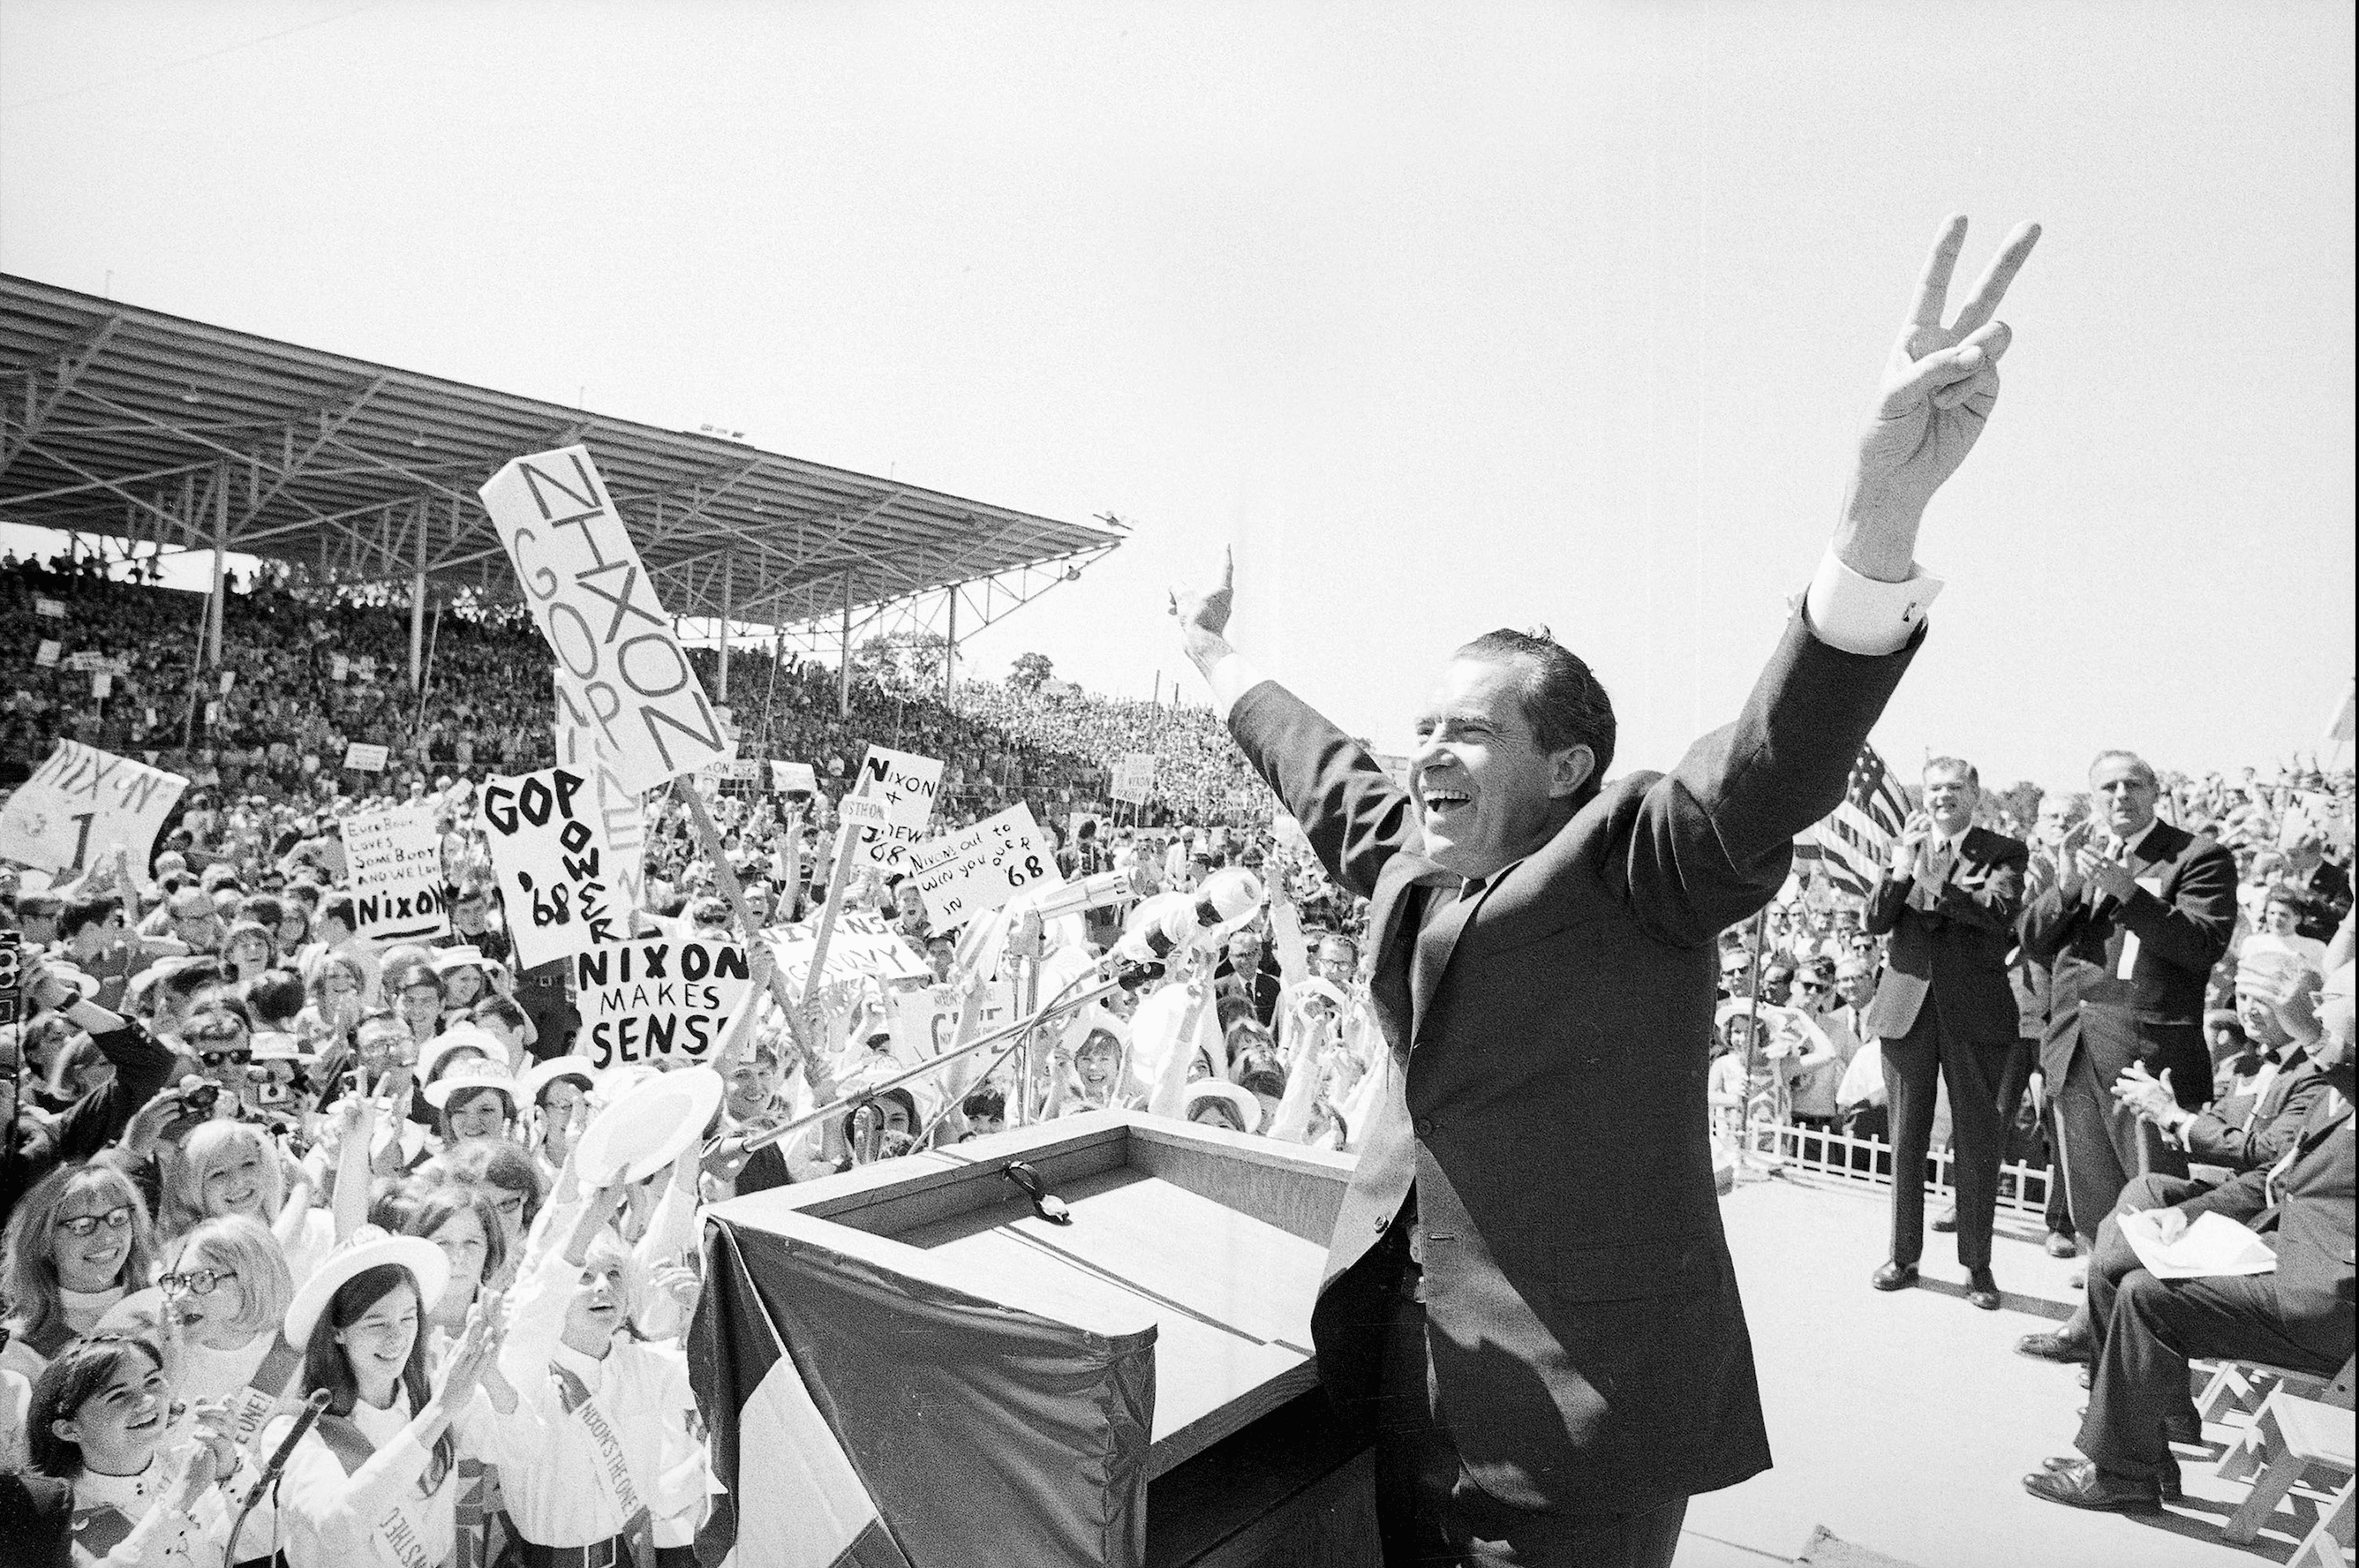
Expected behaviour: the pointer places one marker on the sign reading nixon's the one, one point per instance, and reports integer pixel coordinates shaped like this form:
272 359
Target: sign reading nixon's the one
652 999
905 785
620 669
555 869
395 859
81 804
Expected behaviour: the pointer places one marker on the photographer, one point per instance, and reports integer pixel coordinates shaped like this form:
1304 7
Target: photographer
142 1065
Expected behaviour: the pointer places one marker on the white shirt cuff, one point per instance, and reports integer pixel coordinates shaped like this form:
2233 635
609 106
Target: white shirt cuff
1859 615
1232 675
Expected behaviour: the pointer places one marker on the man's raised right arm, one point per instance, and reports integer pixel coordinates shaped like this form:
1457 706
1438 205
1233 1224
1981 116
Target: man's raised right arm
1355 815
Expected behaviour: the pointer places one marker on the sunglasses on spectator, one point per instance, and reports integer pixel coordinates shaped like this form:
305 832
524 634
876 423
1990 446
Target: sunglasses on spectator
1812 984
196 1282
115 1218
236 1056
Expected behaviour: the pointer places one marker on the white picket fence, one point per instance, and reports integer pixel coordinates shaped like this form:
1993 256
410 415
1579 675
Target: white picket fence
1868 1162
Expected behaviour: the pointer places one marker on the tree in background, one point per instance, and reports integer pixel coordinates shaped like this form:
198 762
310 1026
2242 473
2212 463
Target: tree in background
1030 671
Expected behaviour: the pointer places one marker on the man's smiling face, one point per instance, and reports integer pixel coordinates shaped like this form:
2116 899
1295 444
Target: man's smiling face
1485 792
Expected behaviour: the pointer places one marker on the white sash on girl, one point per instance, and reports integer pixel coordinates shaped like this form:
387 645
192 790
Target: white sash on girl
612 1471
263 1393
399 1529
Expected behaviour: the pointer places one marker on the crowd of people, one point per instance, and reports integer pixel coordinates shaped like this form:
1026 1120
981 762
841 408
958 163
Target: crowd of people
253 1159
307 669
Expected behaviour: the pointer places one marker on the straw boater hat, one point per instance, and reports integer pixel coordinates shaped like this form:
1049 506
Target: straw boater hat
540 1074
466 1081
369 1246
1247 1108
471 1037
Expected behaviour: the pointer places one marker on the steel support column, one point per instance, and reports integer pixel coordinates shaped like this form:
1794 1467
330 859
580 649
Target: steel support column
843 670
220 569
727 583
418 608
949 657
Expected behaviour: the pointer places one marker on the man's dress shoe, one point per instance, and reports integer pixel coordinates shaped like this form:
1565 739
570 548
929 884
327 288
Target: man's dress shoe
1982 1289
2169 1485
2078 1484
2055 1347
2062 1245
1947 1220
1894 1276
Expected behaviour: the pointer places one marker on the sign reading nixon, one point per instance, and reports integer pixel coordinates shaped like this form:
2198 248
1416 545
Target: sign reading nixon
620 669
396 860
81 804
906 786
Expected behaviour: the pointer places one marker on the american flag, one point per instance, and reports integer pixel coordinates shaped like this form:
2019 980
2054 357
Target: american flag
1852 840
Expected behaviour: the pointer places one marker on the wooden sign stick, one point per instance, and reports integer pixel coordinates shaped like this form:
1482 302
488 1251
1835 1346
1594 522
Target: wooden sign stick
725 875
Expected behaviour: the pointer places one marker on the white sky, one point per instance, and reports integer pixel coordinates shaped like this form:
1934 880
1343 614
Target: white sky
1451 318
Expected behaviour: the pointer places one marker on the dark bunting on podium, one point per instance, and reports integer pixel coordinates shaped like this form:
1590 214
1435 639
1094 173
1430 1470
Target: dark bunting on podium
907 1365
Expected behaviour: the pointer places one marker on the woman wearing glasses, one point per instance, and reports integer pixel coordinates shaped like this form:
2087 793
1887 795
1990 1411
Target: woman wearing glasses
226 1292
78 1244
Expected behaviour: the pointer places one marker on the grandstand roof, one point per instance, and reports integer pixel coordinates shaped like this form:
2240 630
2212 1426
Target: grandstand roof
154 429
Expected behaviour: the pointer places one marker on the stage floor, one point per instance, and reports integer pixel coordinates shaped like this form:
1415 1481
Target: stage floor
1904 1422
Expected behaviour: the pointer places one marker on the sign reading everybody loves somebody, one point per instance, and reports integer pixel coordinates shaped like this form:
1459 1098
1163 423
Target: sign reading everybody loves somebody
82 803
971 871
620 669
395 859
658 1000
549 851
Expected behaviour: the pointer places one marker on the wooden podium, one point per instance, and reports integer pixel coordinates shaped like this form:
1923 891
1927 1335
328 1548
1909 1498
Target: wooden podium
1204 1245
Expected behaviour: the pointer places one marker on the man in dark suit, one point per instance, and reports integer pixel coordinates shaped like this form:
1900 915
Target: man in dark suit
2299 1317
2328 885
2275 1001
2131 930
1529 1301
1944 1009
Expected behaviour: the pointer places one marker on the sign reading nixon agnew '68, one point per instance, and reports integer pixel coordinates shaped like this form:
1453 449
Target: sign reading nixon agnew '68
620 669
653 999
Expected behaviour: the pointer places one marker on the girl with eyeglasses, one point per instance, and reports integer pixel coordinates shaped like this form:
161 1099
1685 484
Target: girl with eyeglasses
78 1244
145 1492
225 1290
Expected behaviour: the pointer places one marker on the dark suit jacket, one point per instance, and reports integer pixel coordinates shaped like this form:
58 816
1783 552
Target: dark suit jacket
1955 937
2330 884
1553 1038
2155 1015
2224 1135
2309 1222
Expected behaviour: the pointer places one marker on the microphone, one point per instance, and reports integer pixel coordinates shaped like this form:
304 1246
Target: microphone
1090 893
313 1408
1173 922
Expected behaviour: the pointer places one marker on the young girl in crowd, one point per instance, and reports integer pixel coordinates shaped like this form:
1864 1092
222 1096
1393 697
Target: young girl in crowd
145 1495
460 1221
474 1103
508 1180
465 984
334 993
249 952
374 1482
78 1244
233 1167
227 1290
559 1091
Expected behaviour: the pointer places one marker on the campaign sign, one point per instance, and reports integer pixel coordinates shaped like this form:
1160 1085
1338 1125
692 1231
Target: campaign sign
905 785
548 848
51 609
84 802
395 857
620 669
367 758
338 667
46 655
862 944
1135 780
972 871
660 999
793 778
584 752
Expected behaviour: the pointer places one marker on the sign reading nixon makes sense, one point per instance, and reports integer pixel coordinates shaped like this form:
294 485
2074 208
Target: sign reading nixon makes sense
84 802
620 669
654 999
905 785
548 848
395 860
972 871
